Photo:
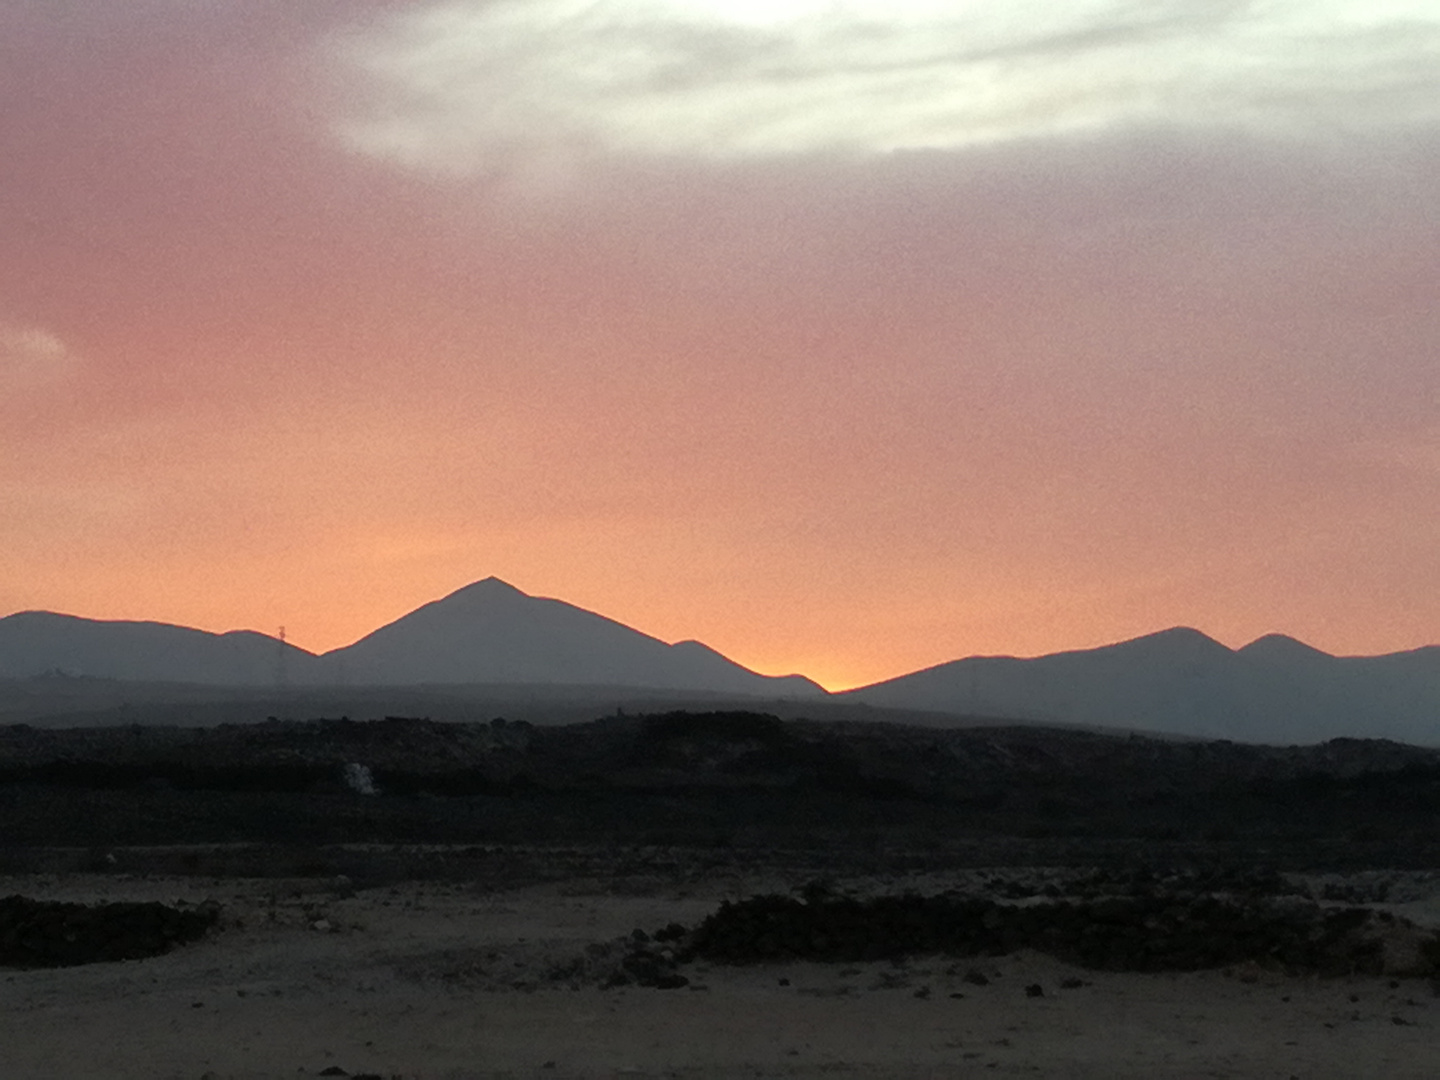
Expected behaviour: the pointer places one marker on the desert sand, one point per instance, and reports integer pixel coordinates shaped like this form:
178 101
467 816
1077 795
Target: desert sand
430 980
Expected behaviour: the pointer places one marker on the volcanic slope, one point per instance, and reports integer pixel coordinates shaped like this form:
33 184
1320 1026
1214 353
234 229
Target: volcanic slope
491 632
1179 681
34 643
486 633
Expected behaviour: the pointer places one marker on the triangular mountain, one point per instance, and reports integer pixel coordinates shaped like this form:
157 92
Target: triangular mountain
491 632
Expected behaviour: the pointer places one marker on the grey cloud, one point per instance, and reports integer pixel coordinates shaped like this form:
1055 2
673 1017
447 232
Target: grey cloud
464 86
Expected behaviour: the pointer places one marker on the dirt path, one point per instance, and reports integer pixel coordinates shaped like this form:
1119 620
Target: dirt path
429 981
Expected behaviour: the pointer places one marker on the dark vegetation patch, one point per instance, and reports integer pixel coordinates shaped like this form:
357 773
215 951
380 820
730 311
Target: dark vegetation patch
1117 919
1159 931
729 780
36 933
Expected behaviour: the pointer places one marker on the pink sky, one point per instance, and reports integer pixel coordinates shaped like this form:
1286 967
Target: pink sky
311 313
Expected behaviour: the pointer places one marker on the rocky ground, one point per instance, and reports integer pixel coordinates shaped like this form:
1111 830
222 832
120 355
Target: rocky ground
709 896
609 976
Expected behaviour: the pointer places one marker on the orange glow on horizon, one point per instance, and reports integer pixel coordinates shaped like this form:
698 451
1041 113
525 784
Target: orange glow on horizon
774 648
847 414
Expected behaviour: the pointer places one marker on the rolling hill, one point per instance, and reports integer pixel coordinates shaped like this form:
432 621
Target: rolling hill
43 643
1181 682
492 635
486 633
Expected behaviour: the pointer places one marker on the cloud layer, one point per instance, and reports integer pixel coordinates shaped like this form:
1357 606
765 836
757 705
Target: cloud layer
478 86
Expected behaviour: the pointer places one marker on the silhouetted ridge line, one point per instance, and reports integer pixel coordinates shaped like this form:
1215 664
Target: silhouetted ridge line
1180 681
488 632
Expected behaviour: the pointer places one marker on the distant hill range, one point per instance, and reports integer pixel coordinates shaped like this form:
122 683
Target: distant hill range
1180 682
486 633
41 643
1177 682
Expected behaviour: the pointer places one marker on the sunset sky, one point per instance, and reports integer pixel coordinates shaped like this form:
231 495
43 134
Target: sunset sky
847 337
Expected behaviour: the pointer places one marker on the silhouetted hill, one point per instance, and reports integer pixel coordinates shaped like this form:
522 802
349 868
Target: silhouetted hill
486 633
491 632
1179 681
1283 649
490 644
40 642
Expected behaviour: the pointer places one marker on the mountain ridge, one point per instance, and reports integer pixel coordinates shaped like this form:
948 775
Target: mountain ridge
1176 681
1182 682
490 631
486 632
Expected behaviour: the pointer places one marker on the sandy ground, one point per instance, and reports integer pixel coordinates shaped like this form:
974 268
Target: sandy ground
428 981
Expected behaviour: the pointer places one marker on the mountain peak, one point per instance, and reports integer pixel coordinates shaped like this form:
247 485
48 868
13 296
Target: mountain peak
1282 647
485 588
492 632
1180 633
491 584
1174 642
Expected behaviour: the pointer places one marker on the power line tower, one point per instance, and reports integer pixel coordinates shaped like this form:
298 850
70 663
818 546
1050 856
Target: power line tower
280 674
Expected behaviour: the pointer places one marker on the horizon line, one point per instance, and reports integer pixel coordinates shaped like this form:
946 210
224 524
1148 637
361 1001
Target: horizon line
282 637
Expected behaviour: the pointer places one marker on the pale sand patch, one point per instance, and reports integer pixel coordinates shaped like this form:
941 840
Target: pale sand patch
436 982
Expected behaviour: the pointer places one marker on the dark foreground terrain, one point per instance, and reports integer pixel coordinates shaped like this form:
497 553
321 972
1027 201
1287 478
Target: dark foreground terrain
723 781
425 899
1197 831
